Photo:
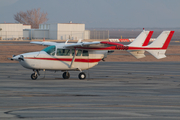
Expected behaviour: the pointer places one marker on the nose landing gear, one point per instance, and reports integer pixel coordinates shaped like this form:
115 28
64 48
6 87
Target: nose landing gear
34 76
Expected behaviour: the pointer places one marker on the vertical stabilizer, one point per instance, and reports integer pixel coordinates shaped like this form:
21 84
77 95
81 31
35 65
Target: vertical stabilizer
142 40
160 45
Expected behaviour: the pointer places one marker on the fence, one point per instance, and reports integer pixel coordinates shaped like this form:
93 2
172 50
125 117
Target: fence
73 35
99 34
54 35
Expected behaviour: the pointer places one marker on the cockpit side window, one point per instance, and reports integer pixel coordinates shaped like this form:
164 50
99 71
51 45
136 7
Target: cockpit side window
63 52
50 50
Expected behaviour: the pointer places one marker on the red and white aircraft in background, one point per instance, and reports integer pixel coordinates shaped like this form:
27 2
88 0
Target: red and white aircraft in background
84 55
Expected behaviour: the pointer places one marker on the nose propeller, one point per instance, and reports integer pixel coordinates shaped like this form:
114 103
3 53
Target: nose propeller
17 58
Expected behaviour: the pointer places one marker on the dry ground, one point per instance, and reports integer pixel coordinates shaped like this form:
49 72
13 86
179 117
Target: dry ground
9 49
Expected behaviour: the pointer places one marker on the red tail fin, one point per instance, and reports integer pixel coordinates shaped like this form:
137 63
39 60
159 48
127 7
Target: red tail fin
148 38
168 40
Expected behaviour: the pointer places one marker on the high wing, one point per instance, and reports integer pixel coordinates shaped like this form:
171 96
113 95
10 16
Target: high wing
141 40
66 45
44 43
82 44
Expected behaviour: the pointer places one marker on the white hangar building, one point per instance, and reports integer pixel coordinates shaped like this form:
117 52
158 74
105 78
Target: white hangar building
12 31
59 31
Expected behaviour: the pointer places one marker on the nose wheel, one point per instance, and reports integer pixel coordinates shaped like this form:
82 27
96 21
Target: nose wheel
34 76
82 76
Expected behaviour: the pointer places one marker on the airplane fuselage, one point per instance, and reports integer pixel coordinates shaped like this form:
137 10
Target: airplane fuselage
61 59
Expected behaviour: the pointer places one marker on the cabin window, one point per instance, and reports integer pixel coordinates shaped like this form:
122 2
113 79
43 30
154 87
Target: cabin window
63 52
79 52
85 53
50 50
73 52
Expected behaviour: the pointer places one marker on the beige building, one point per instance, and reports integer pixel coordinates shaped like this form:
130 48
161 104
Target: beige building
11 31
63 31
58 31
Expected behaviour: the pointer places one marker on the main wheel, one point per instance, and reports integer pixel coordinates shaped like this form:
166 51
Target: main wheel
82 76
66 75
34 76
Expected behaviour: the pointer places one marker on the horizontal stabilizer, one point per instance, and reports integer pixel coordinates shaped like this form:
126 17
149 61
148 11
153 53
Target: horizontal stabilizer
158 54
138 54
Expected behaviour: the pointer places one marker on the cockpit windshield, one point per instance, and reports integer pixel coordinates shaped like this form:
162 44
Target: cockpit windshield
50 50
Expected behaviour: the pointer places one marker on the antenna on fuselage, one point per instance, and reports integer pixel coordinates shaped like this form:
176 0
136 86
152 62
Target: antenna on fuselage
79 40
66 41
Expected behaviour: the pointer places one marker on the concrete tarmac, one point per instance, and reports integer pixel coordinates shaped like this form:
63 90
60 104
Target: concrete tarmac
112 91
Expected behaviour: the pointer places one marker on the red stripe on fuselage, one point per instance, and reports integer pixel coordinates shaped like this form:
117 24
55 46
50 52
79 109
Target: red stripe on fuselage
65 59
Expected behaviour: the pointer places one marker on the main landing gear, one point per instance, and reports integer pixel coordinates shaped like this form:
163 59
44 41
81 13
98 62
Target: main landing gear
81 75
65 75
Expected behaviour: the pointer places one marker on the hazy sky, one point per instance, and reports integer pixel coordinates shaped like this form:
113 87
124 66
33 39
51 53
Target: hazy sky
100 13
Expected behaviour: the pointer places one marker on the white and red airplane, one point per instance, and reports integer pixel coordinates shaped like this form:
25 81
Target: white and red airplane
84 55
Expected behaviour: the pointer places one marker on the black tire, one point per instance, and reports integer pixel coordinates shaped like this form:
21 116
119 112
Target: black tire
82 76
66 75
33 76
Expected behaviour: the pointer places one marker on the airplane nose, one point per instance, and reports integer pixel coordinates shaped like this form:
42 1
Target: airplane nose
21 57
18 57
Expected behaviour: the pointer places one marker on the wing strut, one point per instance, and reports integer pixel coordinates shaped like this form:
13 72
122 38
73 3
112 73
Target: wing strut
74 56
